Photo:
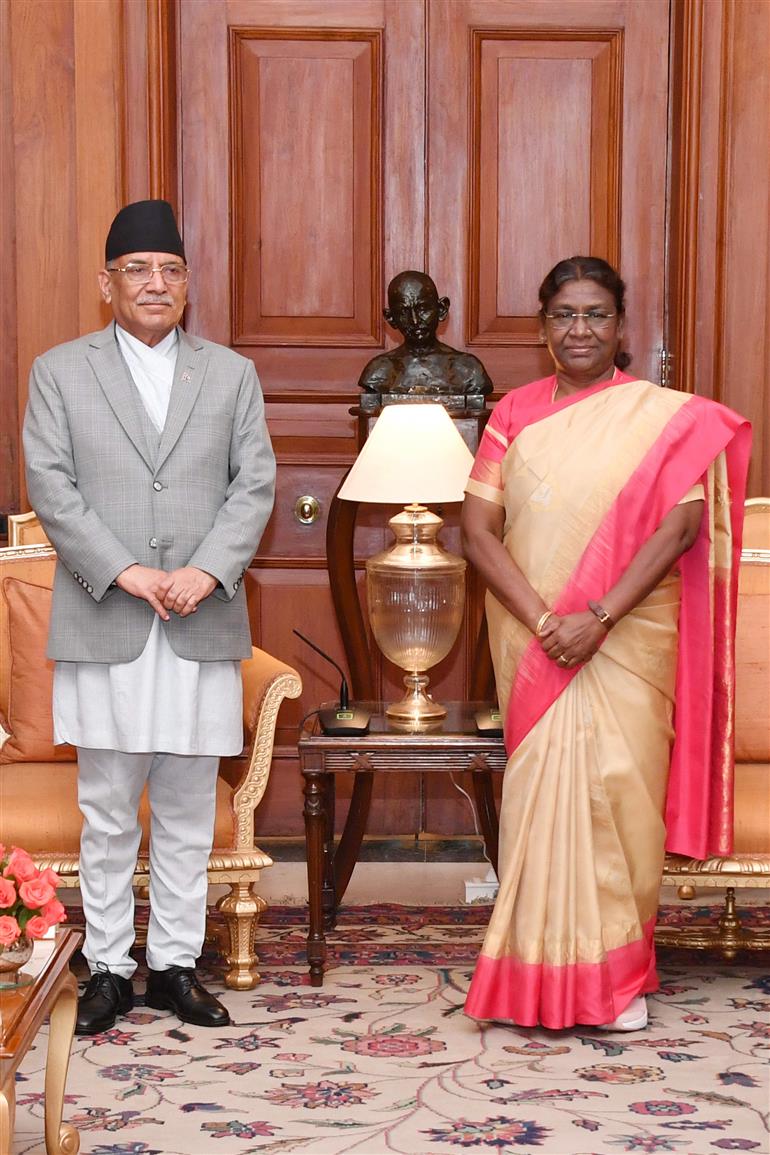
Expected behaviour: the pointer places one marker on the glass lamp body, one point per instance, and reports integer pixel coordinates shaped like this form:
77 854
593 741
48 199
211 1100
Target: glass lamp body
416 598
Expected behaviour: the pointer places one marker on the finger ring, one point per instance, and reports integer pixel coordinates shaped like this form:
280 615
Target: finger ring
562 660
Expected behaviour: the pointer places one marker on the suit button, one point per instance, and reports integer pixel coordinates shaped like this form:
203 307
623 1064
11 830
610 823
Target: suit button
76 576
153 543
156 485
90 589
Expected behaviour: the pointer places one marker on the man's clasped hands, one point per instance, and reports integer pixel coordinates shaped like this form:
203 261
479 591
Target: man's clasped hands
180 591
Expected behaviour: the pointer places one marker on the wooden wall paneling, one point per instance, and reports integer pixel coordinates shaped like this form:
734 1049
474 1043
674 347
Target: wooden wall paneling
626 107
286 538
743 353
306 104
203 82
206 92
685 206
719 289
135 80
643 190
98 148
63 173
9 394
162 70
43 60
574 144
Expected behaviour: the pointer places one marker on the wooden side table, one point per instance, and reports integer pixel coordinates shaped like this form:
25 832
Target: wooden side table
54 992
453 745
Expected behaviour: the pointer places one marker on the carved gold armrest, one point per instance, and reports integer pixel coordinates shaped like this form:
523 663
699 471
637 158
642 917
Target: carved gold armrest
266 682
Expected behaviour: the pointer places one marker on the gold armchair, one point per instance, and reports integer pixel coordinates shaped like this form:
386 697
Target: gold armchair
38 791
749 865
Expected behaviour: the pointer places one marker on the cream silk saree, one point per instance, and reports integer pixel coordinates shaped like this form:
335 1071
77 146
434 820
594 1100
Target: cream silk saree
611 763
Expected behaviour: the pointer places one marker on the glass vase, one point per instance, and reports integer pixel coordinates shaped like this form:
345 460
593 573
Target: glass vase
12 959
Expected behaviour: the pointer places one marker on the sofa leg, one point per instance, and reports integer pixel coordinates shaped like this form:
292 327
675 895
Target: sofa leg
730 932
241 908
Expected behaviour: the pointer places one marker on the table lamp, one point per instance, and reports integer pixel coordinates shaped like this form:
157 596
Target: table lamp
415 589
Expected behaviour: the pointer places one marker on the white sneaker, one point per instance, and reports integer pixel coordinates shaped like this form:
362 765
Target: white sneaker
633 1018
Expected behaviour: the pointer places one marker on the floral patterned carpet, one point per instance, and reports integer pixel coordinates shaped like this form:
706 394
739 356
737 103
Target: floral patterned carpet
382 1059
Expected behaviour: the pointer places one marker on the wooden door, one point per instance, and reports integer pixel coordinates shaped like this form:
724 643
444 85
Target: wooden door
547 127
329 144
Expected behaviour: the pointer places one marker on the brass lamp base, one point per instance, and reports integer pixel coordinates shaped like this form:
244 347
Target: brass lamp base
416 706
416 597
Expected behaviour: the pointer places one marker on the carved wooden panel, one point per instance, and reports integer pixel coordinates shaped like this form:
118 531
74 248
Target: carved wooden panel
558 170
550 121
305 127
61 185
313 308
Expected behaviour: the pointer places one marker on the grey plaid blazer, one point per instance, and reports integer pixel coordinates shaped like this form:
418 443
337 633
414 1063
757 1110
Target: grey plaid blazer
106 500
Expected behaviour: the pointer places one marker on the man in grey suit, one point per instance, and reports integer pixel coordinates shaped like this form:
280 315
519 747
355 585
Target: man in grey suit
150 467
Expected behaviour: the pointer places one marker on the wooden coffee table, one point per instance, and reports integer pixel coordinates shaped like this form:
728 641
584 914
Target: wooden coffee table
54 992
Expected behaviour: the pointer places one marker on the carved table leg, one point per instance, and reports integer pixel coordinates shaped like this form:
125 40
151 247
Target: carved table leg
60 1138
7 1112
329 896
315 832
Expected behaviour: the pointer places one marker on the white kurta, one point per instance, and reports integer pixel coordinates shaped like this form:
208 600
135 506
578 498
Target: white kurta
159 702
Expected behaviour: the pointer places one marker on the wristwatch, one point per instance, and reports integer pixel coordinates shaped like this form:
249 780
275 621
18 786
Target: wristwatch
599 611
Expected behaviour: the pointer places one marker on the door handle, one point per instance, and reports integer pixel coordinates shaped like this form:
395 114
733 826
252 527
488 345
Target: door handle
307 510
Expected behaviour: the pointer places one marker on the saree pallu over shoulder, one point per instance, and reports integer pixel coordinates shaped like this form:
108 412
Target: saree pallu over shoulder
584 482
695 440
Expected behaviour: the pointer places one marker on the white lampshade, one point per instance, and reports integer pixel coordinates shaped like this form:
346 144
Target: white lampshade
414 453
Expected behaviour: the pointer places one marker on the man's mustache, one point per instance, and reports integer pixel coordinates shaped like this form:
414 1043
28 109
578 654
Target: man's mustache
156 299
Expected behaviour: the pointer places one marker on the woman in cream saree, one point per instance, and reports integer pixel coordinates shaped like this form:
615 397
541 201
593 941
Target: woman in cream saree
617 713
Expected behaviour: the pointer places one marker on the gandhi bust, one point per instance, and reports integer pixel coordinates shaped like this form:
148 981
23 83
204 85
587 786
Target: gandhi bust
422 365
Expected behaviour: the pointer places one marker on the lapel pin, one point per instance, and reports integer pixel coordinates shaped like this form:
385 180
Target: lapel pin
186 376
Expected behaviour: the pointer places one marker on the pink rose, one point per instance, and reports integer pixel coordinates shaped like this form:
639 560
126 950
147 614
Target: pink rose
9 930
51 876
36 893
7 893
20 866
37 927
54 912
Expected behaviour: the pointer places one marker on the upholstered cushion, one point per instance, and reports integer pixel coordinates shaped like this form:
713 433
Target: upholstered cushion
752 666
29 720
752 807
55 827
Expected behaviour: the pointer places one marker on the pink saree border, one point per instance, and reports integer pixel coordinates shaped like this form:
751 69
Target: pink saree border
695 435
592 994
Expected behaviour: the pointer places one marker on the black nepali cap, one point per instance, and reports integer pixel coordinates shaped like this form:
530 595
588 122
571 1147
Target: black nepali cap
144 227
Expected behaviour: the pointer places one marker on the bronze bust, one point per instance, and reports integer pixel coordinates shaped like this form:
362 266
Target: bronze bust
422 366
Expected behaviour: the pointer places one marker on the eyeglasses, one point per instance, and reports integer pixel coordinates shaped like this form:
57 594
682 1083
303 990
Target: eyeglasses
565 318
138 274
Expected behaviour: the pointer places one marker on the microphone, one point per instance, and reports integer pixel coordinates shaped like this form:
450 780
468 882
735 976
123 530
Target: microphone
343 719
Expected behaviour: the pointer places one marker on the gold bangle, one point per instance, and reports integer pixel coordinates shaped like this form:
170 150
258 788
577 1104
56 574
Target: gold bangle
541 622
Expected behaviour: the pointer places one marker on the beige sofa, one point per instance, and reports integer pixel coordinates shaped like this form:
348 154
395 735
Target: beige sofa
38 794
749 865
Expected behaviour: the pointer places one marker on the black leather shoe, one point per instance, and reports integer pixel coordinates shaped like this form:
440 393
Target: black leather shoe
177 989
106 996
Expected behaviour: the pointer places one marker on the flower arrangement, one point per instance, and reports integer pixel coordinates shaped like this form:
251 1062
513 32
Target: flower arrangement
28 902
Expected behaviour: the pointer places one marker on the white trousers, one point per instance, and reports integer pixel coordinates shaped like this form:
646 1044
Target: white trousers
182 795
